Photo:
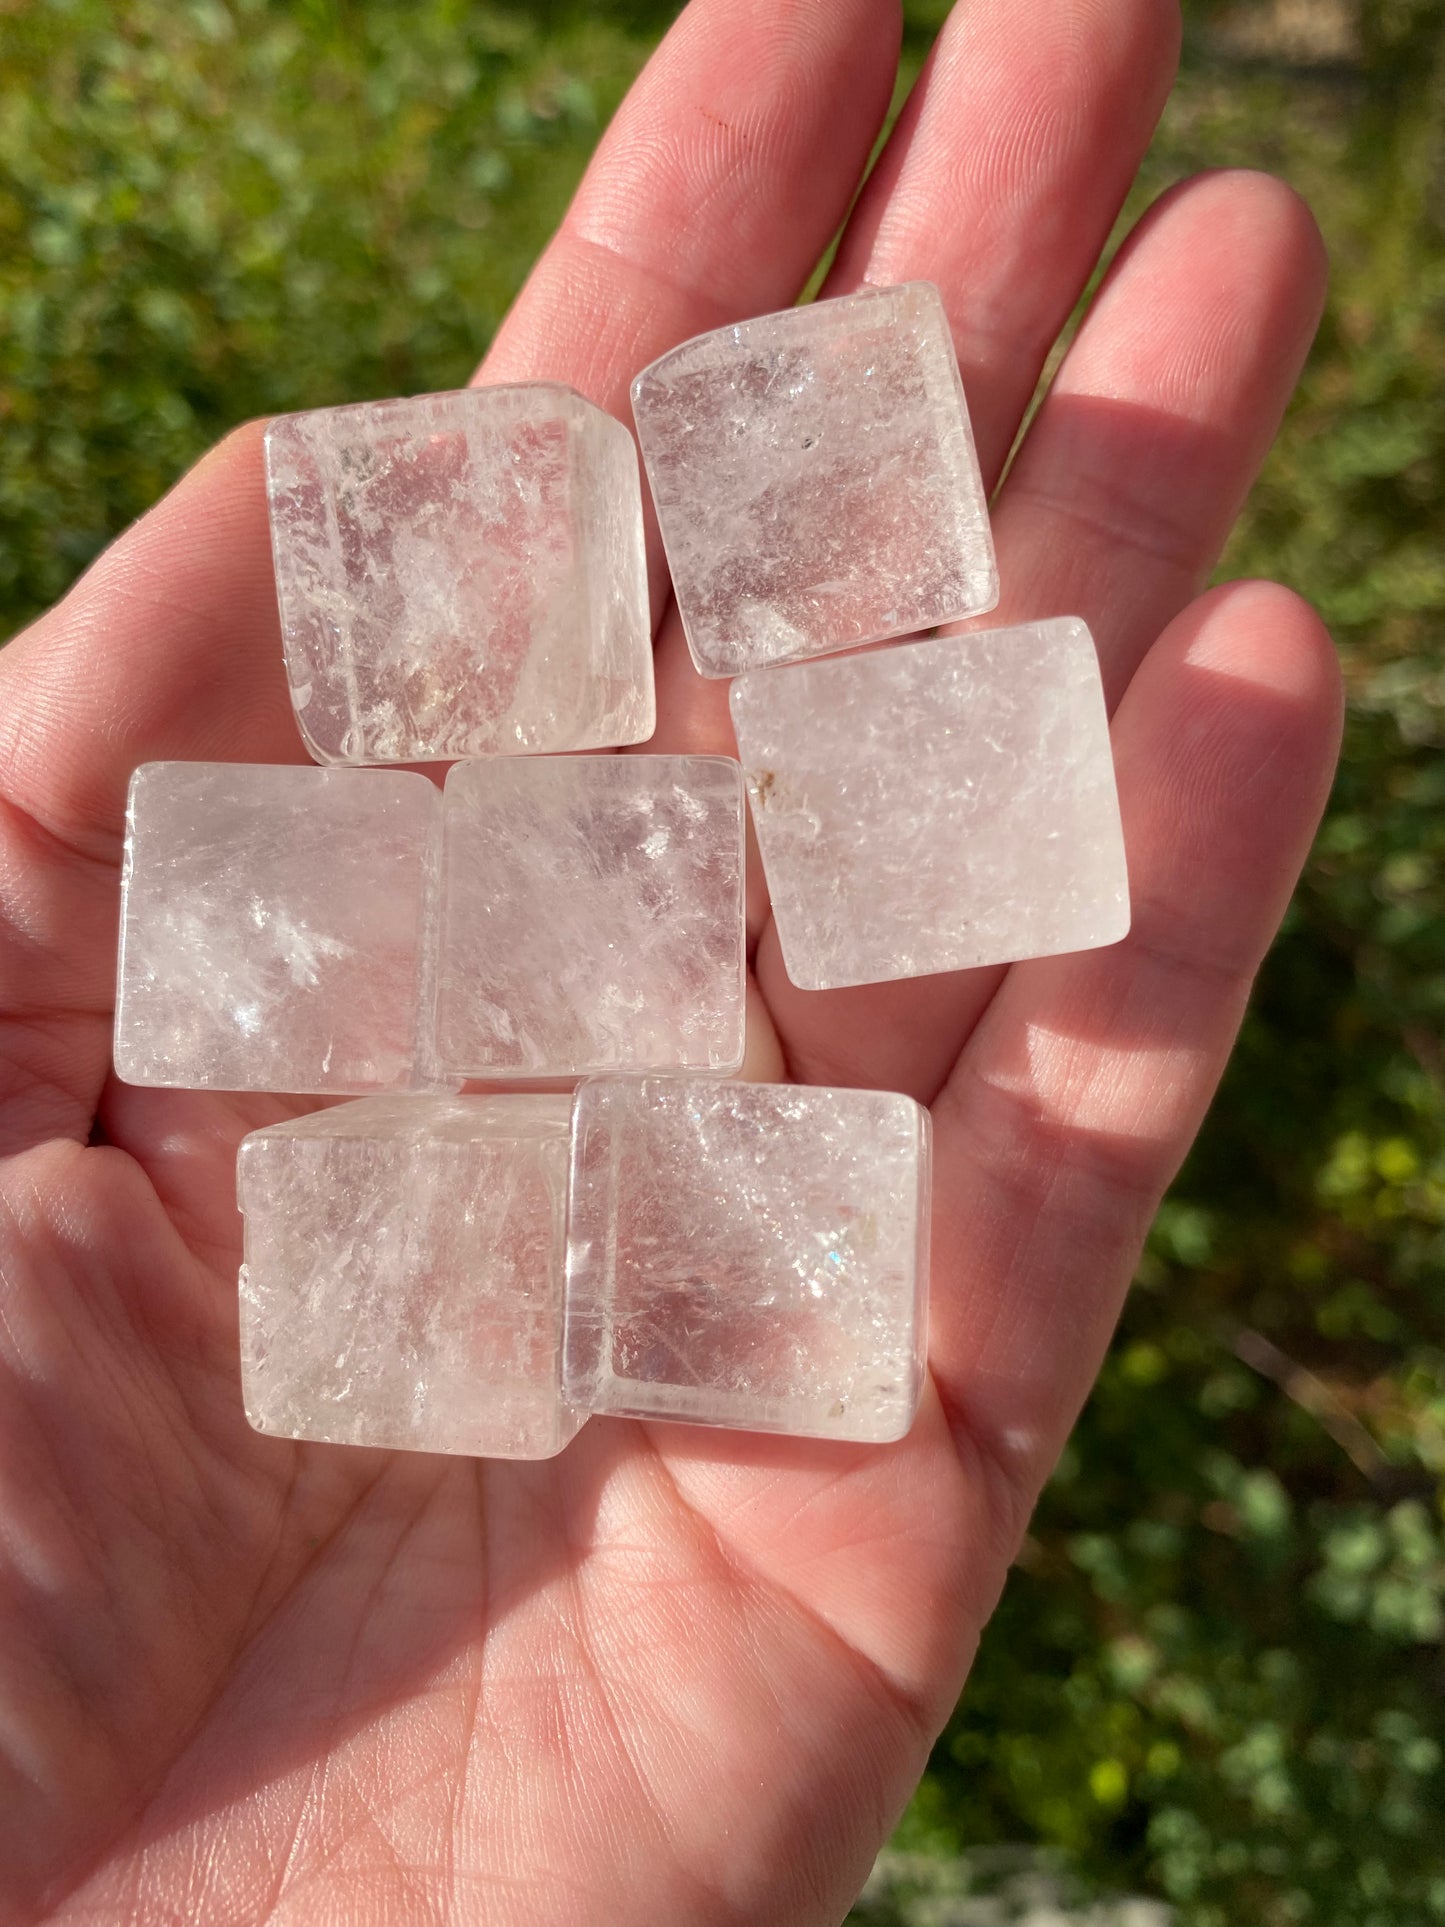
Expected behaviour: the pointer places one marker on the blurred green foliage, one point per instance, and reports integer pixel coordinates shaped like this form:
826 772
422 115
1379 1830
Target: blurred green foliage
1218 1676
211 209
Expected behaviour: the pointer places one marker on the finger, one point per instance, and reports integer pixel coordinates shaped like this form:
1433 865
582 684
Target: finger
1004 176
713 193
1116 509
1142 453
750 126
1083 1086
169 646
1000 183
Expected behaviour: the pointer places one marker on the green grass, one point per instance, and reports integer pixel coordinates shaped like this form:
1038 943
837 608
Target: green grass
1217 1674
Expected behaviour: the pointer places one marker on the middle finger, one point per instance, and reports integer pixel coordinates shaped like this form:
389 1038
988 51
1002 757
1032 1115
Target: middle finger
999 183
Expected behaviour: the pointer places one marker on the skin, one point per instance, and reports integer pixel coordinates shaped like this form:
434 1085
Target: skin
673 1676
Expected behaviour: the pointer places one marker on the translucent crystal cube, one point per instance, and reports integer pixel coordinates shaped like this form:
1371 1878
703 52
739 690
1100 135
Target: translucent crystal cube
274 927
461 575
592 916
403 1276
752 1255
936 806
816 481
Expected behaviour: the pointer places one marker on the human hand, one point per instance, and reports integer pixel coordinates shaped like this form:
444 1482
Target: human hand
674 1676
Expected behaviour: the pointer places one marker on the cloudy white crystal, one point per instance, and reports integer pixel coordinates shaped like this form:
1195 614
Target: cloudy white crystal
936 806
750 1255
274 927
815 479
461 575
403 1276
592 916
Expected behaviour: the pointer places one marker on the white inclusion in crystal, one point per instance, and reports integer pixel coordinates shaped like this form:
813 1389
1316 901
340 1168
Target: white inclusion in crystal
815 480
752 1255
591 916
274 923
936 806
403 1276
461 575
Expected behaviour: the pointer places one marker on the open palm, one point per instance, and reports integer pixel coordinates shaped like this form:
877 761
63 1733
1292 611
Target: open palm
673 1676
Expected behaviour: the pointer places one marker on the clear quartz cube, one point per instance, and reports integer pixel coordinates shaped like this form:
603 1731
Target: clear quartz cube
403 1275
816 481
750 1255
461 575
592 916
275 928
936 806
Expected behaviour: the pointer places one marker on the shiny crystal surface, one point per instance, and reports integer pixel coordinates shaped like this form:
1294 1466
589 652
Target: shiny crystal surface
592 916
403 1275
752 1255
274 927
461 575
815 479
936 806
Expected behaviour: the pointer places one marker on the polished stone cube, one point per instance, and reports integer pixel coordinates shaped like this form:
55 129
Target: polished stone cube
274 928
815 480
936 806
592 916
403 1277
752 1255
461 575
